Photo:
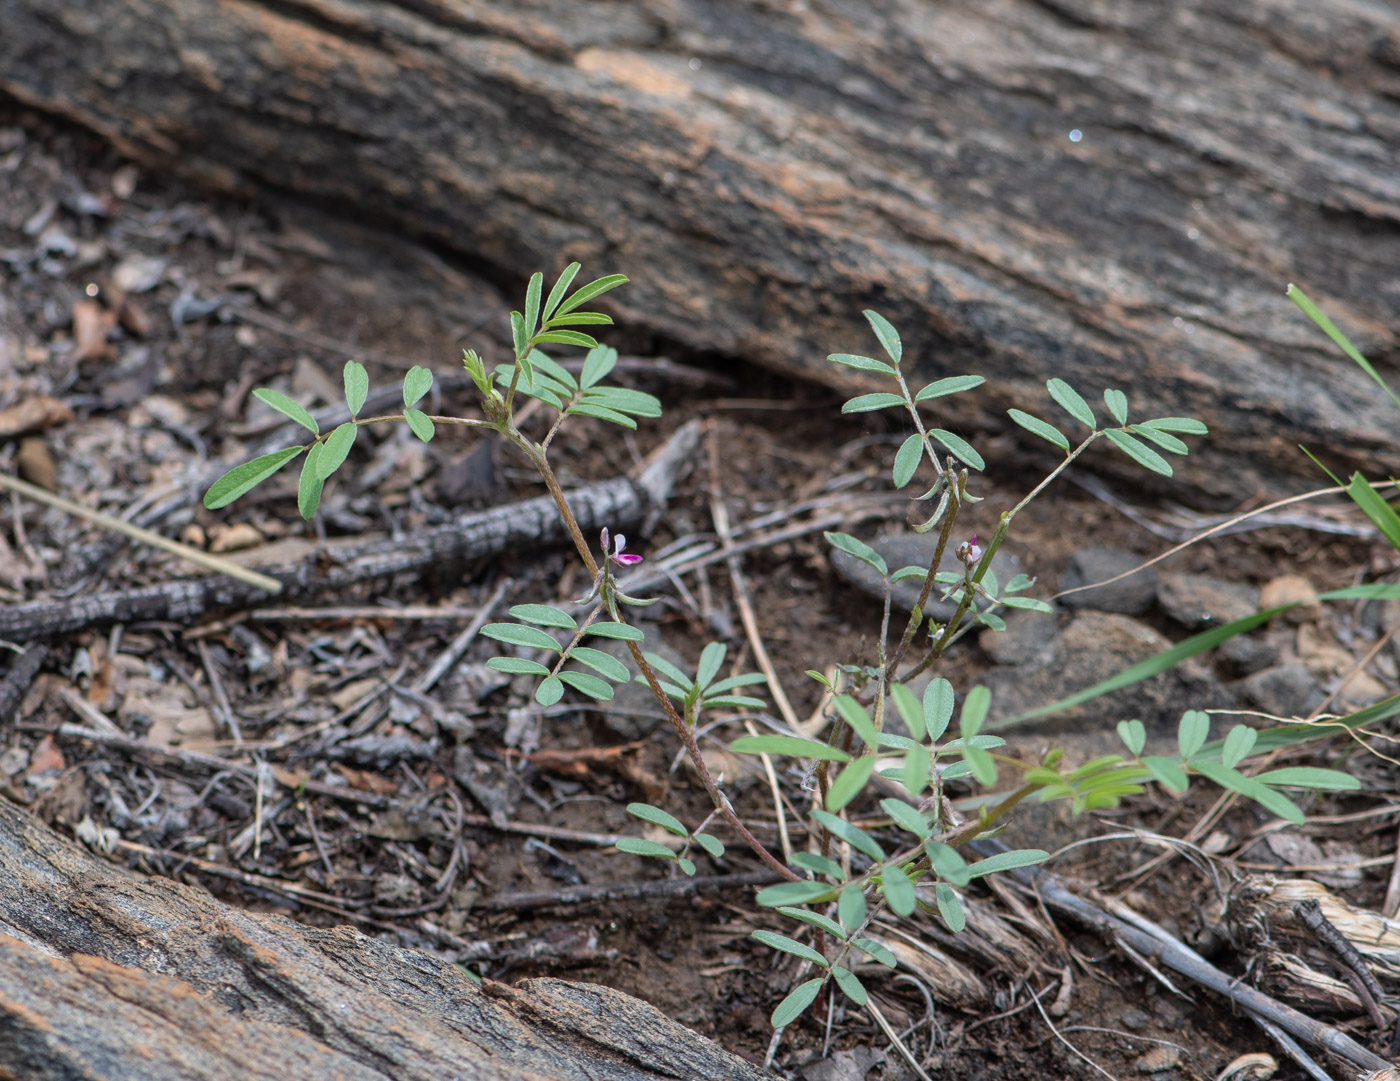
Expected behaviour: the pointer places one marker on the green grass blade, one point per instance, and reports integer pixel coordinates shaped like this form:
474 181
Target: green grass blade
1314 313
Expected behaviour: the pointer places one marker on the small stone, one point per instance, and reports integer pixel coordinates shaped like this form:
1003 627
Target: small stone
1196 600
1286 691
233 538
1135 1020
1246 654
1160 1057
914 549
1292 589
1130 596
1029 638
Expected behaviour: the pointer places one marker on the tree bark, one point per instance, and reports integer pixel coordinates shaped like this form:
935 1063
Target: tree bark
109 975
1115 193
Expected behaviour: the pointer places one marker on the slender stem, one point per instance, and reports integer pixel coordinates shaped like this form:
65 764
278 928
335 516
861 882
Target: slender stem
912 628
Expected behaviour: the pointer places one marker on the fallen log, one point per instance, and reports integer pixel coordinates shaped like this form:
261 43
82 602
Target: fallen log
114 976
1111 193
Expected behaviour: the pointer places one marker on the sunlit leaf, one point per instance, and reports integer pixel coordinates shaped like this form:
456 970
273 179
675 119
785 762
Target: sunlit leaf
287 408
356 386
310 486
335 449
421 426
417 381
244 478
657 816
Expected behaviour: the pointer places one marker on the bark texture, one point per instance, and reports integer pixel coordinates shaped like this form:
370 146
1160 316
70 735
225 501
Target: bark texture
765 170
105 974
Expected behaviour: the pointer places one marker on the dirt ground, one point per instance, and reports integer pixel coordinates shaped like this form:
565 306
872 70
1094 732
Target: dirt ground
153 311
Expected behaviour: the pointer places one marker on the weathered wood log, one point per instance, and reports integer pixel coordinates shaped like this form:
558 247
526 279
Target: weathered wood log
110 975
1111 192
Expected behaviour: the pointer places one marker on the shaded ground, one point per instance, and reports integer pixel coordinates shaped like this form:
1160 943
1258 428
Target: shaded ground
153 313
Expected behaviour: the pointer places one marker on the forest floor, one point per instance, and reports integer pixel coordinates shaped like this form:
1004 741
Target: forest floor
152 312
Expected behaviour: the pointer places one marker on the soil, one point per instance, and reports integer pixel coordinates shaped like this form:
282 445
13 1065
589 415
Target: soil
222 297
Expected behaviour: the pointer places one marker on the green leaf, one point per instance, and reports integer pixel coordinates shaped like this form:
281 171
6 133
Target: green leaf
356 386
711 658
792 946
745 680
1238 743
974 711
519 635
910 571
959 448
816 919
686 865
603 663
909 708
790 1009
1310 777
953 384
1036 426
657 816
588 409
549 691
860 550
982 766
865 403
938 706
1165 440
1191 732
581 319
242 479
639 846
907 817
615 630
850 986
849 783
1166 772
417 381
1117 403
1139 452
1376 508
287 408
1006 861
947 862
625 400
532 302
420 424
568 337
792 745
557 293
889 337
950 908
591 290
1133 734
544 615
595 688
876 950
597 365
852 835
519 336
710 844
1250 788
310 485
917 766
810 861
1071 402
906 462
850 906
1329 328
336 449
899 891
1030 604
1184 425
517 666
864 364
854 714
793 893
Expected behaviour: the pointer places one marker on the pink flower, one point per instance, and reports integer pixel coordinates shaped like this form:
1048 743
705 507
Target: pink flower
616 552
969 552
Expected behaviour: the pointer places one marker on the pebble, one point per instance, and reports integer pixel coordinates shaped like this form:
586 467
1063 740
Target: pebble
1159 1058
1029 639
905 549
1135 1020
1292 589
1246 654
1131 596
1286 691
1197 600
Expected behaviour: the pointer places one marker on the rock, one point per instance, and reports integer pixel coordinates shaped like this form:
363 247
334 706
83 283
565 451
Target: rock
906 549
1093 646
1135 1020
1292 589
1246 654
1286 691
1197 601
1160 1057
1130 596
1029 639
